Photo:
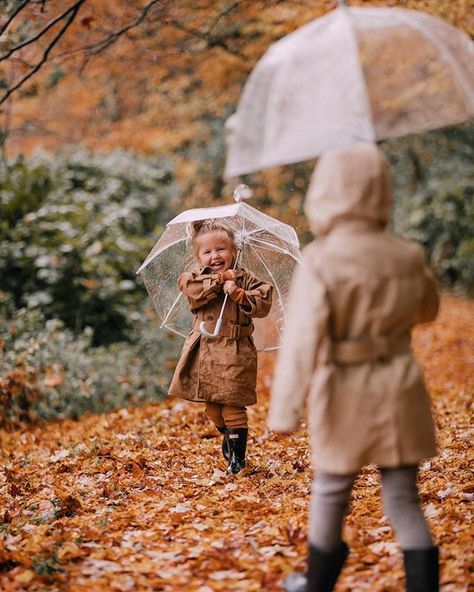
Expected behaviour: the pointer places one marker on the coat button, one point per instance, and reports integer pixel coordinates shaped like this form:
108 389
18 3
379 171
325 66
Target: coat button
209 318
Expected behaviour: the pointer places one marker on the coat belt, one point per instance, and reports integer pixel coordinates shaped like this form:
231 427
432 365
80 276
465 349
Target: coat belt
228 328
366 349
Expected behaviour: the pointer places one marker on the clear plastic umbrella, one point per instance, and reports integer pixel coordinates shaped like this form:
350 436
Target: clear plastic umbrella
353 75
268 248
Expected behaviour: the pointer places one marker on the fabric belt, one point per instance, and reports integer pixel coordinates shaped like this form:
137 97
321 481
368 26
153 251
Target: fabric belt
228 328
366 349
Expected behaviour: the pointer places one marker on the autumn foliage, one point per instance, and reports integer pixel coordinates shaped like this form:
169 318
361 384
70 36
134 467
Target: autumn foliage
185 65
167 86
138 499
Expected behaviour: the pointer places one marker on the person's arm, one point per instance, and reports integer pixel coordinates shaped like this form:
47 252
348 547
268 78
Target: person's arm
429 304
200 288
306 325
254 297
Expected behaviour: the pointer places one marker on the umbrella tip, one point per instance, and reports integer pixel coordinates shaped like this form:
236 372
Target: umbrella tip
242 192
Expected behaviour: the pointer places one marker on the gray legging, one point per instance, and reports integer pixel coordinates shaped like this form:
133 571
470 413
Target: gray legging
330 500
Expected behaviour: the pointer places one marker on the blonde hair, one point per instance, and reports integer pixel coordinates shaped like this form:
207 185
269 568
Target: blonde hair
198 228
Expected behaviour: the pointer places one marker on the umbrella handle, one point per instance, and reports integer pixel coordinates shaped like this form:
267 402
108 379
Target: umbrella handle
217 328
202 325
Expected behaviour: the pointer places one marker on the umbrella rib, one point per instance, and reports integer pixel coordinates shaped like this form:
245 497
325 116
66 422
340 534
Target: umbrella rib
171 310
274 247
280 297
175 331
262 228
355 45
150 258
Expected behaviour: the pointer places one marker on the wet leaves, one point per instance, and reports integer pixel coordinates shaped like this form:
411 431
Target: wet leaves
139 499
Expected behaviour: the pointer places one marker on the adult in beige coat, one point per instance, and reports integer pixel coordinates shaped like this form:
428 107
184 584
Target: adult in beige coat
346 353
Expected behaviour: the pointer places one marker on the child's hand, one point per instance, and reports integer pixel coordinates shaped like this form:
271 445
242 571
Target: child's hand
229 274
229 286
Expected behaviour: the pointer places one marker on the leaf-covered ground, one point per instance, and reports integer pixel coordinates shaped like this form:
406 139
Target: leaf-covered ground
138 500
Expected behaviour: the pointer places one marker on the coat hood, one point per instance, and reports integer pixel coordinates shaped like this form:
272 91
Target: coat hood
349 184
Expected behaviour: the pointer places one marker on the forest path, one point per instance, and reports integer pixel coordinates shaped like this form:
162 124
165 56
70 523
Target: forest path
138 500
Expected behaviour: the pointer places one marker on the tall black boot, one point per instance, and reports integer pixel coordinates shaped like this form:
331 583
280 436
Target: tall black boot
324 568
225 443
422 569
237 438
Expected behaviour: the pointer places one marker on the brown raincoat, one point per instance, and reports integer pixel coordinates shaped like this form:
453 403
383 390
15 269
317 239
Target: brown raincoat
354 300
221 369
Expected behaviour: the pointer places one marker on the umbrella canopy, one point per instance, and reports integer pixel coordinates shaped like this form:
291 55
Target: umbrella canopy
354 75
269 249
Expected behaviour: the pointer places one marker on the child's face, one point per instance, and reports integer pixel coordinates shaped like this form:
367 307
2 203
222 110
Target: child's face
215 250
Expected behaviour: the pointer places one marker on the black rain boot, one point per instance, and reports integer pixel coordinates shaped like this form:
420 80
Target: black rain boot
237 438
225 444
422 569
324 568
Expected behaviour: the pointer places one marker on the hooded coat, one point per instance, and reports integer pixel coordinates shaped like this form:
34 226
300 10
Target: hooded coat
353 302
220 369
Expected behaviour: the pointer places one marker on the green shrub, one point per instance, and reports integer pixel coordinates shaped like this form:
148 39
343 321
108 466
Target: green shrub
48 372
73 231
433 181
441 219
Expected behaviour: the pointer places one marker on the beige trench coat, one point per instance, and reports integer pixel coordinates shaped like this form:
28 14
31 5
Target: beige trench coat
221 369
354 300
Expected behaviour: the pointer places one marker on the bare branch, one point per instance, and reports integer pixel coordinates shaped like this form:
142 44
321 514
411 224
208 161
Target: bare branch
19 8
111 37
232 6
106 42
46 53
211 40
5 132
74 8
21 62
114 36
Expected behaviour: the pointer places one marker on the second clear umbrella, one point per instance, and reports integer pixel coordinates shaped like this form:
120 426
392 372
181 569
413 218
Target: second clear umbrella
268 248
353 75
